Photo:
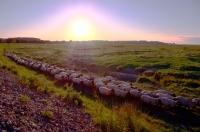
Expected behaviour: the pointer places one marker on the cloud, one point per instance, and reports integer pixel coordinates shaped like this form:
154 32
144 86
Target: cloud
191 39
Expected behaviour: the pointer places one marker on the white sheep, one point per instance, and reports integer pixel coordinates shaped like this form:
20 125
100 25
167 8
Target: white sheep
70 72
164 92
168 102
165 95
128 89
149 93
114 82
105 80
99 84
185 102
58 77
135 93
120 93
76 80
105 91
196 100
43 68
63 73
112 86
55 71
124 86
31 64
109 78
144 92
97 80
65 77
87 82
73 75
149 100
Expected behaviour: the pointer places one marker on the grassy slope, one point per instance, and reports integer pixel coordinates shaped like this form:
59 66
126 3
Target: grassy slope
175 64
114 117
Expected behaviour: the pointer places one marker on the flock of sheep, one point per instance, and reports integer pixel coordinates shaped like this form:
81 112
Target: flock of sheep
108 85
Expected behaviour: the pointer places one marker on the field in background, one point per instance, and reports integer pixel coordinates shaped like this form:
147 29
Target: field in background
172 67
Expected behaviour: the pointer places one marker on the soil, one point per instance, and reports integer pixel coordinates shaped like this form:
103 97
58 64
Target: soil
17 115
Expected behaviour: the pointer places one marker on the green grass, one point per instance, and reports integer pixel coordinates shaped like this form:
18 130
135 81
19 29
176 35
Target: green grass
24 98
176 68
47 114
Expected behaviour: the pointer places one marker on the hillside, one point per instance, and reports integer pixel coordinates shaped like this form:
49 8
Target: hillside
22 108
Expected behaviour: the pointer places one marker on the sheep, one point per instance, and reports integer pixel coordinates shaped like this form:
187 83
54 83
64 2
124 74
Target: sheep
55 71
70 72
165 92
165 95
185 102
31 64
87 82
105 80
109 78
76 80
127 89
26 63
196 100
90 77
149 100
120 93
49 69
168 102
105 91
153 95
97 80
123 86
98 85
73 75
65 77
58 77
112 86
122 83
114 82
135 93
43 68
144 92
63 73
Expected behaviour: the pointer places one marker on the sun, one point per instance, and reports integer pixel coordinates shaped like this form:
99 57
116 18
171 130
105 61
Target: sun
80 29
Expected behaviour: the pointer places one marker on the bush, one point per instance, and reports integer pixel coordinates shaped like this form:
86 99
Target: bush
73 97
4 67
144 79
24 98
34 82
9 69
47 114
15 72
193 84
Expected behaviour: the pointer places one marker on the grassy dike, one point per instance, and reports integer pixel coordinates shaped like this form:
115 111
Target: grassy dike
110 116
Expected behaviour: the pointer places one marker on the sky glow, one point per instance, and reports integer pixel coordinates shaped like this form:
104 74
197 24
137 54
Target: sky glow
168 21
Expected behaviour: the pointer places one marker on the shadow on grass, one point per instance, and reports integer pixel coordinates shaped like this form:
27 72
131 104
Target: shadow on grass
180 117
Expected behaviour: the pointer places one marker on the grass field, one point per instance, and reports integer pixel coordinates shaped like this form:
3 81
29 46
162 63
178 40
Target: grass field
172 67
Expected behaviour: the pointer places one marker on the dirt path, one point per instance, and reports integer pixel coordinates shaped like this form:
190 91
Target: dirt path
16 115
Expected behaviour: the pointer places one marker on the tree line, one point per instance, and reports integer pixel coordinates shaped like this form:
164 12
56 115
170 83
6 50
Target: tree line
22 40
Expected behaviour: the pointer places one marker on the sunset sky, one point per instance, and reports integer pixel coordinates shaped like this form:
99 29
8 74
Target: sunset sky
173 21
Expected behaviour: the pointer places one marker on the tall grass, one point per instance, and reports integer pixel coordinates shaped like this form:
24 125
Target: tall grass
124 117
